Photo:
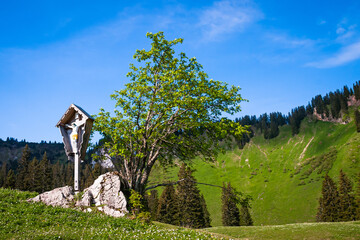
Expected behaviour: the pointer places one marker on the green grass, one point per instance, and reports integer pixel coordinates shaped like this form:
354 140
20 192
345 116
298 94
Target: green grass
276 174
311 231
22 220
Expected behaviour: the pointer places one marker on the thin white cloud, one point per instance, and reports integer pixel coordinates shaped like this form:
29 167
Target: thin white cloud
286 41
345 36
228 16
346 55
340 30
345 31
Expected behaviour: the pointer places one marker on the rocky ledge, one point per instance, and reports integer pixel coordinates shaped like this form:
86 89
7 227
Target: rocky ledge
104 195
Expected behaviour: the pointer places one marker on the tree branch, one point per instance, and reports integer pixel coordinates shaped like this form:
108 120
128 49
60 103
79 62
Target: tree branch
174 183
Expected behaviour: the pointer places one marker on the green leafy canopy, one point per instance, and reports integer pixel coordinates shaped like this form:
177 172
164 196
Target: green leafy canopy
168 109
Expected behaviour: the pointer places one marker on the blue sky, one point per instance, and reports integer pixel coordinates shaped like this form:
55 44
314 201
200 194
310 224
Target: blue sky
281 53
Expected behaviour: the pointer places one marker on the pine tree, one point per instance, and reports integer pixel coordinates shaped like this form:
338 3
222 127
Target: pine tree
57 178
309 109
31 180
97 170
3 174
205 212
45 174
335 105
23 169
10 180
62 175
69 174
357 120
344 103
88 177
153 203
358 199
230 210
245 217
328 202
347 211
356 88
167 210
191 213
346 92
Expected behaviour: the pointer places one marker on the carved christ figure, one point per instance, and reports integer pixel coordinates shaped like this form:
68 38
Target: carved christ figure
74 135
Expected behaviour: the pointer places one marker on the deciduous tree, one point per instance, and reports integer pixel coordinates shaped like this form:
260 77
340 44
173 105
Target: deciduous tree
169 109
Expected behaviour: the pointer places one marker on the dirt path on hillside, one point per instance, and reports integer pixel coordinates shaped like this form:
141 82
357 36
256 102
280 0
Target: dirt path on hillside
306 147
262 151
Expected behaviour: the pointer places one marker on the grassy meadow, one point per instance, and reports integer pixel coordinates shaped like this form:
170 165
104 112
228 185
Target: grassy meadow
311 231
283 175
22 220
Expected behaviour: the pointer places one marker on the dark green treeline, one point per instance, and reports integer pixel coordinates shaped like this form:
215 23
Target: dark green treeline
32 174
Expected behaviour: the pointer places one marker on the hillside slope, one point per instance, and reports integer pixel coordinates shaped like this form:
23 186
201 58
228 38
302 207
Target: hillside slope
284 174
22 220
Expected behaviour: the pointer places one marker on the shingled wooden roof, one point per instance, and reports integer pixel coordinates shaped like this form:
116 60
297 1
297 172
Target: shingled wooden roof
69 114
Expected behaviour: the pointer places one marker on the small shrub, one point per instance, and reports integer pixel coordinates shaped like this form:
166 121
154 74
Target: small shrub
137 207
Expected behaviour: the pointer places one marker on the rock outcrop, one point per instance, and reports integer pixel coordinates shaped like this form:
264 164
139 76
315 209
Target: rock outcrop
104 195
59 197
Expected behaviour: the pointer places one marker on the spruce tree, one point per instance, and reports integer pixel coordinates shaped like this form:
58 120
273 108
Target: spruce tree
97 170
357 120
69 181
335 105
153 203
230 210
88 177
57 178
245 217
3 174
23 169
309 110
167 210
356 88
358 198
346 92
10 180
347 211
32 180
205 212
329 201
191 213
62 174
45 174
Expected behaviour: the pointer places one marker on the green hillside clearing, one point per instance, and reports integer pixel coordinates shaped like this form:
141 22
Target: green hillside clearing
284 174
